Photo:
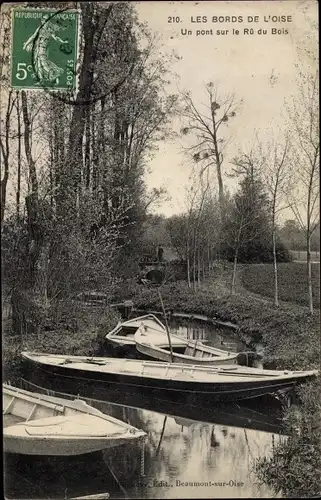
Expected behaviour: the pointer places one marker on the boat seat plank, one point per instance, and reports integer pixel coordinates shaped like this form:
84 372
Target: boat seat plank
21 403
32 412
9 406
98 496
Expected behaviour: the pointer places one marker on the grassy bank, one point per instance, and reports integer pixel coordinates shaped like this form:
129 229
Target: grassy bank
290 335
259 278
83 339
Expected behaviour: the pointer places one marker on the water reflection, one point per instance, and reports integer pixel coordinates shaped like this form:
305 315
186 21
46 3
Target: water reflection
184 446
216 336
180 453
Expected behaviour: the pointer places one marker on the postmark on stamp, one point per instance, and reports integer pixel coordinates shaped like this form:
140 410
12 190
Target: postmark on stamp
44 49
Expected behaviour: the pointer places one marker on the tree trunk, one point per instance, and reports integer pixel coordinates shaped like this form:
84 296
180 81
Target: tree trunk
203 267
3 192
28 152
275 267
87 175
18 159
51 165
198 266
234 271
309 272
29 300
188 266
93 26
218 161
194 263
95 144
5 148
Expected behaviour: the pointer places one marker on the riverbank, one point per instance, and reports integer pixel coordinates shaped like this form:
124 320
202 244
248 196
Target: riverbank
291 340
289 335
84 339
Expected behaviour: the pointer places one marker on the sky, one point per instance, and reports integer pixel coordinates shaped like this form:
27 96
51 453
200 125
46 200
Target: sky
259 69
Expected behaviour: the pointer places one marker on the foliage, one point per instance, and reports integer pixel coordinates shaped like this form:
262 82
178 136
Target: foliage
107 322
257 252
13 245
293 238
154 234
294 469
86 199
78 331
247 228
259 279
195 235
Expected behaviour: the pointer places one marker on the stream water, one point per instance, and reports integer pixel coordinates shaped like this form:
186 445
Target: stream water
214 335
189 452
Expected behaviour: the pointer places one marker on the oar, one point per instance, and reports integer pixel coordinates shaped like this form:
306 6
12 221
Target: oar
161 436
167 328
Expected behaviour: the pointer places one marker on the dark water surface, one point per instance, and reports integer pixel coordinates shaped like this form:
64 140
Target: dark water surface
214 335
189 452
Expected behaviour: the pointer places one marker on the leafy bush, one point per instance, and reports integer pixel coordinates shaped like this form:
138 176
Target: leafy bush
257 251
107 322
85 342
294 469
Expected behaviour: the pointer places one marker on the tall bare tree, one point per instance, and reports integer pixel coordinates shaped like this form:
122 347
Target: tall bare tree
277 176
5 147
207 127
305 146
19 156
29 299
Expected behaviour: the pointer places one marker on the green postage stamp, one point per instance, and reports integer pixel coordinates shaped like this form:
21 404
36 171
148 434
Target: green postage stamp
44 49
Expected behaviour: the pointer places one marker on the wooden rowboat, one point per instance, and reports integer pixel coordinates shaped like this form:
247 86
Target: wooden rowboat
123 335
253 414
37 424
192 352
191 384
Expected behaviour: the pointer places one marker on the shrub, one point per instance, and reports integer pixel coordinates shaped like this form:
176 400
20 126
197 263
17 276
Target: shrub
294 469
257 251
85 342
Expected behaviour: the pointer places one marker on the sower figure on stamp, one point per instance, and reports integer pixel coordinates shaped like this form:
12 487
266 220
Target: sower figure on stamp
39 42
